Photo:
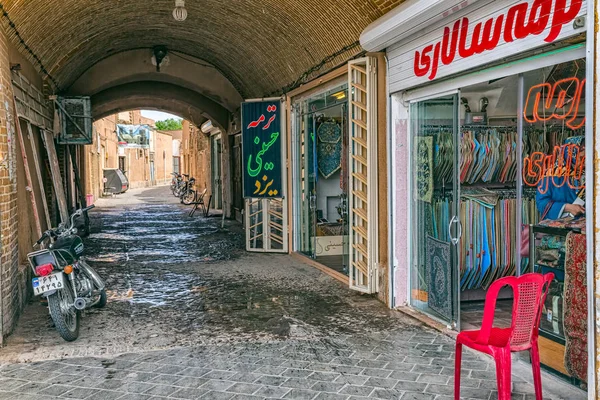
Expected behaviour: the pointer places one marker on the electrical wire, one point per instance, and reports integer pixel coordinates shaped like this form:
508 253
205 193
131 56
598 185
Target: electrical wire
178 54
306 74
27 48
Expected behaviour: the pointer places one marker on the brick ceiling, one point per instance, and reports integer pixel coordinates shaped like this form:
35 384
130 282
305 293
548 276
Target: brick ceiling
259 45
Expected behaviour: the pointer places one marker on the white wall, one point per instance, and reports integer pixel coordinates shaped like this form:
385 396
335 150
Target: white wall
328 187
400 200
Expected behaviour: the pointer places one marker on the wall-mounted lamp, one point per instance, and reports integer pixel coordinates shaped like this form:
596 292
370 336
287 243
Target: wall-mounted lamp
206 127
180 13
160 52
15 67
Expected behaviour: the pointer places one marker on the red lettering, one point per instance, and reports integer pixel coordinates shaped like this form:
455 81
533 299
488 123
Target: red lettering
422 61
519 22
489 40
436 61
543 8
515 23
463 51
449 46
256 123
562 16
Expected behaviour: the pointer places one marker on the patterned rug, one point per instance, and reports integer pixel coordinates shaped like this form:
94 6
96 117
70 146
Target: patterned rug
438 270
329 148
424 168
576 307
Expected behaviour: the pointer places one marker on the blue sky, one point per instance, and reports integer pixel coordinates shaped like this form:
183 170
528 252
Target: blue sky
158 115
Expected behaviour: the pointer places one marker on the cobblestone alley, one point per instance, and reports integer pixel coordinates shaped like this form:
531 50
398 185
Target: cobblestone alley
192 315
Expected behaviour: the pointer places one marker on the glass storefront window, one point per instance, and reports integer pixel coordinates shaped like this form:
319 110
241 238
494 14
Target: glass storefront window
498 183
554 223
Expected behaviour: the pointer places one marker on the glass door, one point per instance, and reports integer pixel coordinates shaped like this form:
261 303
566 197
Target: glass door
308 187
435 218
322 147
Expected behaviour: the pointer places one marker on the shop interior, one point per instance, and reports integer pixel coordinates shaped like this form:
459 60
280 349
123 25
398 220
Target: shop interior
322 144
509 219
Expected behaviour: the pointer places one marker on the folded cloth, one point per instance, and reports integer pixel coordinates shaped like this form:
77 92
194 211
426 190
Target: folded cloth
548 254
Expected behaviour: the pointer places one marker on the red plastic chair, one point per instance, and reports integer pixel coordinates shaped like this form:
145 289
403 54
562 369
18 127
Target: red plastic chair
529 293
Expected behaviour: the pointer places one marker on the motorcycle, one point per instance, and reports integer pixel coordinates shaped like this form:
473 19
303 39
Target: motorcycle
61 276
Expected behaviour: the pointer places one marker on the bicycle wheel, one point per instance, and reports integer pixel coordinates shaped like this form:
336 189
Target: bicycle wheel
189 197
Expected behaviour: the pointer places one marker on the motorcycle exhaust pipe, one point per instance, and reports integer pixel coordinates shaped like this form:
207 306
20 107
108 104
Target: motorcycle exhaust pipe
80 303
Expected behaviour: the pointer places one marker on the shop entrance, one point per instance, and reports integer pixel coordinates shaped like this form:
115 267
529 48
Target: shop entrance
322 165
434 278
498 190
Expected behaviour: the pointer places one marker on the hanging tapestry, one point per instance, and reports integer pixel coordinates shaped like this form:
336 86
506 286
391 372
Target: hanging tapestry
424 168
329 148
575 307
438 275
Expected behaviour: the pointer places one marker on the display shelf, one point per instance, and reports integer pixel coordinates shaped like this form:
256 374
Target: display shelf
551 324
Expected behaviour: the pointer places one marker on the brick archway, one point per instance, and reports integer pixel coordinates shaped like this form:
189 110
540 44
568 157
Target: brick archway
259 45
178 100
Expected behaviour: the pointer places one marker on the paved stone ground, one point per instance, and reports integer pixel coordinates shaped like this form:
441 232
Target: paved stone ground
192 316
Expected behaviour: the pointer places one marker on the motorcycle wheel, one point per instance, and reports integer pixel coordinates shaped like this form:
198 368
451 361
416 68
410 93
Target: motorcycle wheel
189 197
64 315
103 300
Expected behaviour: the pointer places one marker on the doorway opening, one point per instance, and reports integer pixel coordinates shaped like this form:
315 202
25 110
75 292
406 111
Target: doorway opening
322 144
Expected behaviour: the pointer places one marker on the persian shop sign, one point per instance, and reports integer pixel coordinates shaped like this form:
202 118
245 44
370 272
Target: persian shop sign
526 24
261 149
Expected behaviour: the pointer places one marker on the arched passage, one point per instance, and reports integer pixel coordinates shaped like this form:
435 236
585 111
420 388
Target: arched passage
177 69
187 103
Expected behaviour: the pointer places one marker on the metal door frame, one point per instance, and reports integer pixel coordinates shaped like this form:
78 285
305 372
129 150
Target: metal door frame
452 324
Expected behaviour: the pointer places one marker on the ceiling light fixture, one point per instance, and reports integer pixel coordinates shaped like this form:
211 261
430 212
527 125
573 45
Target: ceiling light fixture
180 13
339 95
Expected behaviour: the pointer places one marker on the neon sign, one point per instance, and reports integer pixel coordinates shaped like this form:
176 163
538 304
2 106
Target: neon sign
566 165
519 22
261 148
557 97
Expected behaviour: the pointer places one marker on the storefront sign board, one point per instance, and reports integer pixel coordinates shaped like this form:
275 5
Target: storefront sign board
261 149
482 33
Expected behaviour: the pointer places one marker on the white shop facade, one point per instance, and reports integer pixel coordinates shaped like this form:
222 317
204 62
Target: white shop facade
485 99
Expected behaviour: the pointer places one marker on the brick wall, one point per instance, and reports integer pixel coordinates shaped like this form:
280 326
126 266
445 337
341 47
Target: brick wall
195 151
11 299
163 158
102 153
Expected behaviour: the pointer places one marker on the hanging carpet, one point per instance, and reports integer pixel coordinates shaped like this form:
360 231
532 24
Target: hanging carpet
575 307
424 168
438 272
329 148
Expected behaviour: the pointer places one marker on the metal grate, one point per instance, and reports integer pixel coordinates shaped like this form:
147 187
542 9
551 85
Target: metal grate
362 177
